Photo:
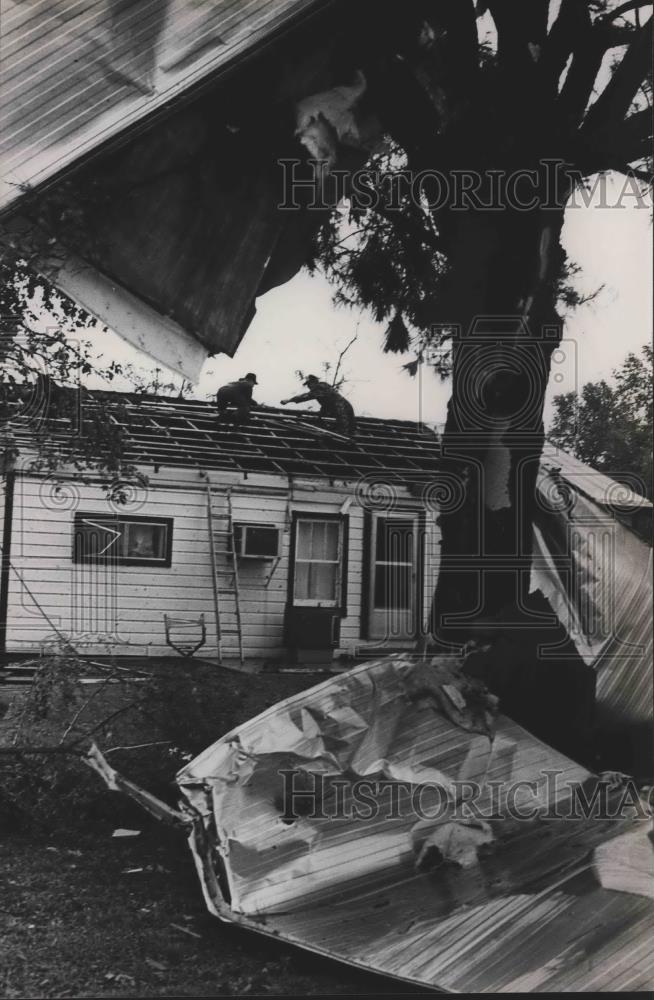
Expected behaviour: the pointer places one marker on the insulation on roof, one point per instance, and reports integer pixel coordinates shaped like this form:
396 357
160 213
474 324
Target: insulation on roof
336 820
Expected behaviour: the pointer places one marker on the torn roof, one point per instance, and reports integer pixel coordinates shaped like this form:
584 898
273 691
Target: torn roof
588 482
74 75
187 434
142 167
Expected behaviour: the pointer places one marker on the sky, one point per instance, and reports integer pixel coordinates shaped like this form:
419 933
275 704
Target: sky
298 327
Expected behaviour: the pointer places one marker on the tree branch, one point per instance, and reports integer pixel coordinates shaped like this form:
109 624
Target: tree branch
622 143
568 33
342 355
579 83
625 8
615 100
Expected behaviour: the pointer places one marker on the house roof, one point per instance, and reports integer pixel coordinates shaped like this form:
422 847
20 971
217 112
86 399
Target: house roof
186 433
589 482
74 75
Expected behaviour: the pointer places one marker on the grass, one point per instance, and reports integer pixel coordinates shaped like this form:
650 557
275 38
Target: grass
120 918
84 914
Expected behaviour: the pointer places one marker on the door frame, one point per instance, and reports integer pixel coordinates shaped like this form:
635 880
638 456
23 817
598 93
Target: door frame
369 517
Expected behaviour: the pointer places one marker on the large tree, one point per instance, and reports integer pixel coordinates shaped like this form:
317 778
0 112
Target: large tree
511 130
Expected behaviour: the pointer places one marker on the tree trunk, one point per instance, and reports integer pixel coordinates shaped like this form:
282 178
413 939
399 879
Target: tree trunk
494 432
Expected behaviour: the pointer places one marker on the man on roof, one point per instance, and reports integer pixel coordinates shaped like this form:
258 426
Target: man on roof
237 397
332 404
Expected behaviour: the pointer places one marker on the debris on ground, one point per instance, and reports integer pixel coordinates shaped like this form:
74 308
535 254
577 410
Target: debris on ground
457 842
308 821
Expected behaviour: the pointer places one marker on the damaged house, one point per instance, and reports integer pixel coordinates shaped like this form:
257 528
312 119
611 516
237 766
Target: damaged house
282 540
277 539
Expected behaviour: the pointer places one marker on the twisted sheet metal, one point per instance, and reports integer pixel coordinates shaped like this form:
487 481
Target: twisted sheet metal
597 574
75 73
552 904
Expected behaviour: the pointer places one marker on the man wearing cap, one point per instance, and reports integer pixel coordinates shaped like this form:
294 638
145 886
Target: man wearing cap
237 395
332 404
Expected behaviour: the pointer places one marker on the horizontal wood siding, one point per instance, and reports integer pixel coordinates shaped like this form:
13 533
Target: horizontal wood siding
121 610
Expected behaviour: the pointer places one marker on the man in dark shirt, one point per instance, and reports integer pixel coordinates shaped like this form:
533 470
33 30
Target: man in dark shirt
332 404
237 396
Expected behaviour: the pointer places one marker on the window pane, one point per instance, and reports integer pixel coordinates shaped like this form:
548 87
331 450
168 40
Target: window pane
394 541
318 540
332 529
97 539
393 587
145 541
304 539
302 581
322 581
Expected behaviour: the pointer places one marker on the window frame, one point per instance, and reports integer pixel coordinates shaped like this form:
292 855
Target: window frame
113 520
340 606
367 581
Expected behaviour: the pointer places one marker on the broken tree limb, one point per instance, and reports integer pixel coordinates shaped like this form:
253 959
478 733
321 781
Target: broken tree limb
117 783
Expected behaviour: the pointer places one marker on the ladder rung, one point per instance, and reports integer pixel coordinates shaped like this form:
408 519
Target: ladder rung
223 531
229 631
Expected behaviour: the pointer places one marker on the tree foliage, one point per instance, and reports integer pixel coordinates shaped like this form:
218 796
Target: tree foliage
49 420
609 425
576 91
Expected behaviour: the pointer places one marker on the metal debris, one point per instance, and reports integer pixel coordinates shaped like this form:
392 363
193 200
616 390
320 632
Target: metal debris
530 903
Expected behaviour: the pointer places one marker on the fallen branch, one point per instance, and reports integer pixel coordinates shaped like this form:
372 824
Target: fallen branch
116 783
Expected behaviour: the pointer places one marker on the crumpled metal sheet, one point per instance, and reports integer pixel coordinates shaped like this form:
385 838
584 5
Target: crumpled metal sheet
73 75
535 910
597 575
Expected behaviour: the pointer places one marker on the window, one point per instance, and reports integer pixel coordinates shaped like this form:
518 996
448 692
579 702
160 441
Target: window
394 564
127 541
318 570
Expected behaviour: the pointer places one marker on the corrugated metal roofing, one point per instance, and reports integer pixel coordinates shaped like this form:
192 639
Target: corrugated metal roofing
595 485
597 575
547 905
75 73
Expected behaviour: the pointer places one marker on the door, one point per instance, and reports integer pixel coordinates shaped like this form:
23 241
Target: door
393 599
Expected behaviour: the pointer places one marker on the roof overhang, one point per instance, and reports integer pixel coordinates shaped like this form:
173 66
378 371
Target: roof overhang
75 76
144 170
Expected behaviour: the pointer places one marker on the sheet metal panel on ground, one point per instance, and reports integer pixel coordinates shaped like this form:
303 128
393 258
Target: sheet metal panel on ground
545 905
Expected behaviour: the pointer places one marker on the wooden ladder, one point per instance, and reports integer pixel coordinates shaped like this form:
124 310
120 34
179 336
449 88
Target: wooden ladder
224 572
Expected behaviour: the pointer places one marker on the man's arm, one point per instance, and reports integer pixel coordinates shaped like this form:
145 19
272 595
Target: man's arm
304 398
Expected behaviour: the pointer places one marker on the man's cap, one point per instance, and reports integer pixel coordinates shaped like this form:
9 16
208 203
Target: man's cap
311 378
251 377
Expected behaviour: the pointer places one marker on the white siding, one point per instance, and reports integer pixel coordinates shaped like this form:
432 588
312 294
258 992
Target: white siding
2 506
122 610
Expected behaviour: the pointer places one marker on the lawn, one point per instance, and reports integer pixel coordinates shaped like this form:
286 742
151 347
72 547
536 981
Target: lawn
87 914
